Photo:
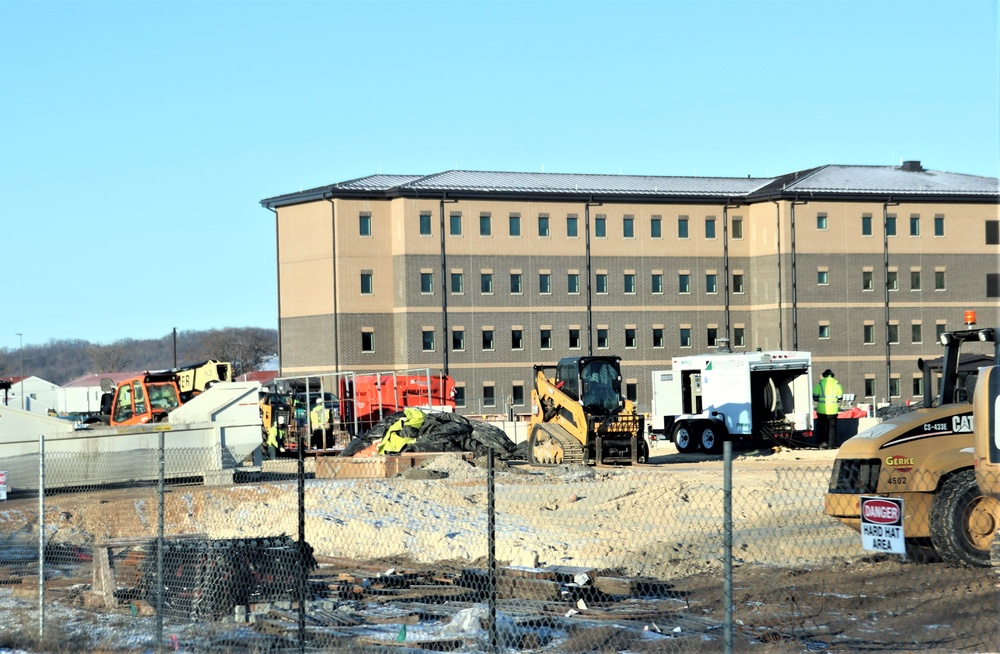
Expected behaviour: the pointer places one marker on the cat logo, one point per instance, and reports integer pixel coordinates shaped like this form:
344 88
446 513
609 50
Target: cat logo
962 424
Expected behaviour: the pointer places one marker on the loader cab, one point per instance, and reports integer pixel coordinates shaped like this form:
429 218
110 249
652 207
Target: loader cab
595 382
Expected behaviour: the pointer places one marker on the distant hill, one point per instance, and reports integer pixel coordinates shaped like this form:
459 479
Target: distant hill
60 361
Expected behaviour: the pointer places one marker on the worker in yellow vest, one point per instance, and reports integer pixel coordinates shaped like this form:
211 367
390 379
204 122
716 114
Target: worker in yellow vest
826 394
319 419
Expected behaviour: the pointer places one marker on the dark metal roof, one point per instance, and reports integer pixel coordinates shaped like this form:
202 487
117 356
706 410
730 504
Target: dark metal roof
833 181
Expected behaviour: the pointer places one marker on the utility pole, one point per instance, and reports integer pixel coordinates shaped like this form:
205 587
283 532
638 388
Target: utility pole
20 351
175 347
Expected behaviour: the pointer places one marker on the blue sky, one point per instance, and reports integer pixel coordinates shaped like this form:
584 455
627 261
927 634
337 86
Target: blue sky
139 137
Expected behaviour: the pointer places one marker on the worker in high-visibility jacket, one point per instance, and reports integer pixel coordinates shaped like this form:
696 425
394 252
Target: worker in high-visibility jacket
319 419
275 441
827 394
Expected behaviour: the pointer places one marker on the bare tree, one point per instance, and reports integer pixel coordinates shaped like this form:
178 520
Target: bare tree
4 357
111 358
246 348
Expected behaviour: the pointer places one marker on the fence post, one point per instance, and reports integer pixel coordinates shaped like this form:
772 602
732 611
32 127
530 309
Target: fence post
302 541
161 482
491 524
727 546
41 537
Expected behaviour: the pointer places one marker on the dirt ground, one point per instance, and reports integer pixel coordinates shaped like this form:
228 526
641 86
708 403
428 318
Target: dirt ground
801 580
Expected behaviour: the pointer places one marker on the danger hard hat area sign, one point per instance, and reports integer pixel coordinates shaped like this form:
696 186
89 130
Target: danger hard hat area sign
882 525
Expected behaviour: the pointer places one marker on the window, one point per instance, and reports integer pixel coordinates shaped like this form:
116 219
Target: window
682 227
573 283
992 284
572 226
489 395
890 225
601 282
427 283
869 387
630 340
517 395
821 221
685 337
939 225
514 224
628 227
365 224
893 334
916 333
992 231
630 283
737 283
428 340
823 277
710 227
543 225
894 387
458 340
600 226
684 283
657 283
366 283
655 227
866 224
515 283
457 283
939 329
657 336
914 225
545 339
711 283
455 224
914 280
516 339
486 283
824 331
892 280
869 334
367 341
737 227
939 280
485 224
544 283
460 396
488 339
631 391
602 338
918 386
574 338
739 337
425 224
867 280
711 335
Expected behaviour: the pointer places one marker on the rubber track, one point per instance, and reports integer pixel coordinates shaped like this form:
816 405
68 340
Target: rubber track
572 448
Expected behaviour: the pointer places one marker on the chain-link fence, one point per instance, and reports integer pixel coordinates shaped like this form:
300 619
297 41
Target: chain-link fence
446 553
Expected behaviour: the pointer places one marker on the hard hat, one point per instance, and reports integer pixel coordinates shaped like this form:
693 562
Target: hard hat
319 401
828 373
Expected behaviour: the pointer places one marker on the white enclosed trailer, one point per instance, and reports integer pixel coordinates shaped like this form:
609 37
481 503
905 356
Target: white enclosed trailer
705 399
208 437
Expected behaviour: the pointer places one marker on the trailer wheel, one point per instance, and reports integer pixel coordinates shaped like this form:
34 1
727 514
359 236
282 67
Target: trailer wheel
711 436
964 521
684 439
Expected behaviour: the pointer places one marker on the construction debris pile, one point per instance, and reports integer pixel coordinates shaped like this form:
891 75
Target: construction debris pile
416 430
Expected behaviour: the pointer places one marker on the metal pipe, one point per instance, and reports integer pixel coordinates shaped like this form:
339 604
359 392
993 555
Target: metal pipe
41 534
885 276
491 549
444 285
795 286
336 313
727 546
781 330
590 300
277 259
161 492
